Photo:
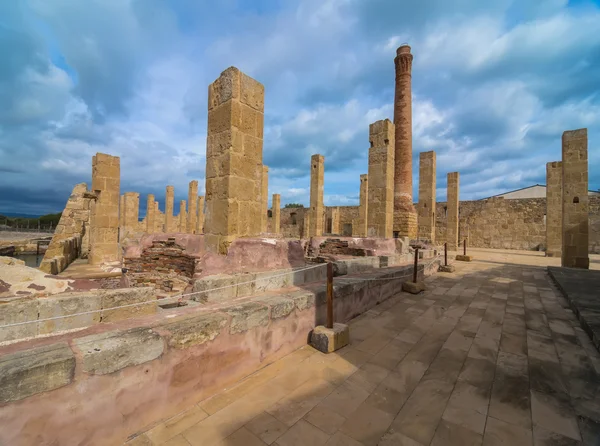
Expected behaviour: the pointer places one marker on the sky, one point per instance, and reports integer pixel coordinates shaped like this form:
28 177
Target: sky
495 84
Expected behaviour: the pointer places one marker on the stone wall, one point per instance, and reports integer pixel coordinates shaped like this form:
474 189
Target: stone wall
71 236
165 364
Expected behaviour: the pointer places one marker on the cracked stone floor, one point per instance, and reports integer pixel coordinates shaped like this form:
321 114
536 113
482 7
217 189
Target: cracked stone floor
487 355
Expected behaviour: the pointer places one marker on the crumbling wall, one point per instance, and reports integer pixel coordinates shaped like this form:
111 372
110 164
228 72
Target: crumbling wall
71 237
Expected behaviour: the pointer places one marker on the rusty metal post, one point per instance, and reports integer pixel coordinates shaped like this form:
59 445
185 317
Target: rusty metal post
465 247
445 254
329 295
416 264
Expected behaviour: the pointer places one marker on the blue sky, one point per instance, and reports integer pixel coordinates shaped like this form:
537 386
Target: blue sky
495 84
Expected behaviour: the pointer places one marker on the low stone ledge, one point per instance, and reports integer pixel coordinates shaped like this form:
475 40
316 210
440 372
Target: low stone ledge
63 305
247 316
195 330
37 370
303 299
109 352
127 296
280 305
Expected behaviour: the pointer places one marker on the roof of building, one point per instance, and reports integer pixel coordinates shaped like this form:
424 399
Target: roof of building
528 187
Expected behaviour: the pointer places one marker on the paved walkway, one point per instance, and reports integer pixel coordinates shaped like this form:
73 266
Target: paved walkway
488 355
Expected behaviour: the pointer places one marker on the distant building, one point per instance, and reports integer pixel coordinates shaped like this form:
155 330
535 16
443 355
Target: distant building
535 191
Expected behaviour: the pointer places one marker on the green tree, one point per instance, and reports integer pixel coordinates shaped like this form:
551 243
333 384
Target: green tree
294 205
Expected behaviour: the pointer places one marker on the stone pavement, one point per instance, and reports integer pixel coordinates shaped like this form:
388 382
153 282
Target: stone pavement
488 355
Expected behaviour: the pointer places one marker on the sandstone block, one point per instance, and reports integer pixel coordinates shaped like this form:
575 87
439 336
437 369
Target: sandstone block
302 299
446 268
280 306
109 352
328 340
195 330
65 305
37 370
15 310
225 282
463 258
247 316
127 296
412 287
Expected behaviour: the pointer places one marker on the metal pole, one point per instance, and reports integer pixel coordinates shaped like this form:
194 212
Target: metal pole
329 295
465 247
416 264
445 254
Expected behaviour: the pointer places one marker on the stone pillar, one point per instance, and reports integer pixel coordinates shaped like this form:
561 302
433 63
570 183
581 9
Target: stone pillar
182 217
233 159
131 210
554 209
306 224
427 196
192 202
106 182
121 217
317 178
200 222
335 220
363 208
405 214
265 199
150 214
575 204
276 211
169 202
380 193
159 218
452 211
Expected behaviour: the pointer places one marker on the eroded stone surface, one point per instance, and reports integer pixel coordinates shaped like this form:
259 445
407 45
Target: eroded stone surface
195 330
247 316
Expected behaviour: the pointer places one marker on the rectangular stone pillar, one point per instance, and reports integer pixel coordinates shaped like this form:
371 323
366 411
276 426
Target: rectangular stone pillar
317 179
426 213
363 207
265 199
452 211
200 222
159 219
192 216
276 212
554 209
121 216
575 204
169 202
131 210
335 220
150 208
104 225
306 224
233 159
182 217
380 188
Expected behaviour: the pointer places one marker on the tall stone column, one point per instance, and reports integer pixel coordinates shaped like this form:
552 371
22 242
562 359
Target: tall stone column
317 178
363 207
276 211
265 198
104 221
200 222
169 202
132 210
150 208
380 198
306 224
575 203
192 202
452 211
405 214
335 220
427 196
159 219
233 159
554 209
121 217
182 217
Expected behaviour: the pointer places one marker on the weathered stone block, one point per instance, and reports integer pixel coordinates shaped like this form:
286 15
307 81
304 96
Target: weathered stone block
280 306
247 316
109 352
15 310
463 258
328 340
37 370
195 330
447 268
412 287
145 297
302 299
65 305
224 287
